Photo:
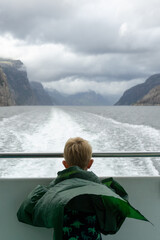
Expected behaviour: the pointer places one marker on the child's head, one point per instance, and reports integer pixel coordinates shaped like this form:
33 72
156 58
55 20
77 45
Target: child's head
77 152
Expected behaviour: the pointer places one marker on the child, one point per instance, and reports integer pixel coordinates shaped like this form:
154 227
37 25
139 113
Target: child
78 152
77 204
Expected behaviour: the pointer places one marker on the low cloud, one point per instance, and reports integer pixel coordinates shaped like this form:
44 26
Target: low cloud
72 86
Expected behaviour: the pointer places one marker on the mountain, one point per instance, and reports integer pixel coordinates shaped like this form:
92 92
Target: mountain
57 97
15 88
6 98
89 98
152 98
42 96
134 94
18 82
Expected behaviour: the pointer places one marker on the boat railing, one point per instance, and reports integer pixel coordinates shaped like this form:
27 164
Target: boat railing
144 194
94 155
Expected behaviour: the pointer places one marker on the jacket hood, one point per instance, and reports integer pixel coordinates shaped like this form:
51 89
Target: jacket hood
75 172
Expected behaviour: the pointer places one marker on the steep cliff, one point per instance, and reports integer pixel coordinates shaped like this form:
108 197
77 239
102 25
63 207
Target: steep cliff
18 81
134 94
152 98
6 98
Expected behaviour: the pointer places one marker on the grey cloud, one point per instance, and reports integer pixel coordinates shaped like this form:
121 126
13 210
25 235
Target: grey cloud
115 67
61 22
93 41
23 18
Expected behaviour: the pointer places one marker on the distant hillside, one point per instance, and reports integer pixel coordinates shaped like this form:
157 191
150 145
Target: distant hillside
42 96
134 94
15 88
89 98
152 98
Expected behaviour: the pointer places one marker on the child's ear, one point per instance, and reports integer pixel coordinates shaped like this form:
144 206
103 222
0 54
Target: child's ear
90 163
65 164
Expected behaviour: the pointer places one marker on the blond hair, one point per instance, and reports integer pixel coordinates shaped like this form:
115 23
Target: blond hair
77 152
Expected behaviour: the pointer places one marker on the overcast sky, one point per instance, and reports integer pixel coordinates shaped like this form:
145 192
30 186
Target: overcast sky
70 45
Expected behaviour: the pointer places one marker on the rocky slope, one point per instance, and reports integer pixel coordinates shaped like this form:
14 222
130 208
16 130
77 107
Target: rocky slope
134 94
6 98
152 98
18 82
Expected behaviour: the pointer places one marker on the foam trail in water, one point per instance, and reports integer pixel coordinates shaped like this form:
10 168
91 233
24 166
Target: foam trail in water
108 135
47 136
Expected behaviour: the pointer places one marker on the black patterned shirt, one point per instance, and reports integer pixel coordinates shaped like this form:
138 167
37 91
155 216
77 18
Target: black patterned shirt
80 226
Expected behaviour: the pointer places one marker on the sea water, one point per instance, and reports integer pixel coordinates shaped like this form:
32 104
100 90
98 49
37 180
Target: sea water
107 128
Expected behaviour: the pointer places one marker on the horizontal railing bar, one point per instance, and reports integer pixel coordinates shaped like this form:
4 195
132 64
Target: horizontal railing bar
95 155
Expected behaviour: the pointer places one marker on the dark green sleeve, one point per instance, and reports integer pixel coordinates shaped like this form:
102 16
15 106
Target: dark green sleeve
119 209
116 187
26 211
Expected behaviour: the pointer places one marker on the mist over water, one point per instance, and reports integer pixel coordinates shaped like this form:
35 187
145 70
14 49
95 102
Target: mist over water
108 129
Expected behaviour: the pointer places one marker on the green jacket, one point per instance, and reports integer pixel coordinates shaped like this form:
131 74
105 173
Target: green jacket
81 190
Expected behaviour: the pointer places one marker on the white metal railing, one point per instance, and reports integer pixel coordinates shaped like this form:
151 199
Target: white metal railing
95 155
